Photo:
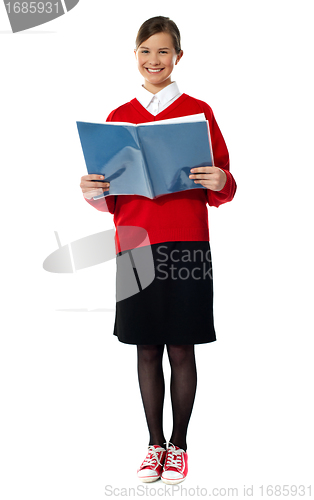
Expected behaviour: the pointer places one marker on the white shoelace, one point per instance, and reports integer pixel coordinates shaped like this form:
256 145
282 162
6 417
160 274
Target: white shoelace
152 457
174 457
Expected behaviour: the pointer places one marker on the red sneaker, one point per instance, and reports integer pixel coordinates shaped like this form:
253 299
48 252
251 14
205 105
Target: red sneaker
151 468
176 465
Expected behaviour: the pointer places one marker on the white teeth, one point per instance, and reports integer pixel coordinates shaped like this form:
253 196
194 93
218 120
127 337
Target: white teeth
154 70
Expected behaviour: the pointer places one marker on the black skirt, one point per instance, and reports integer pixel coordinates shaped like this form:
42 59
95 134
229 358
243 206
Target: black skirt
164 294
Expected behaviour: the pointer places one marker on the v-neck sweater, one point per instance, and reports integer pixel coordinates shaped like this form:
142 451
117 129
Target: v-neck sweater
181 216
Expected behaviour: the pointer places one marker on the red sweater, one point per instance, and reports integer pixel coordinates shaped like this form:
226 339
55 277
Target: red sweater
181 216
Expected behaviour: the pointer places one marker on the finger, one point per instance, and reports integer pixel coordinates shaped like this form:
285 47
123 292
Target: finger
92 177
205 177
94 184
207 169
93 192
204 183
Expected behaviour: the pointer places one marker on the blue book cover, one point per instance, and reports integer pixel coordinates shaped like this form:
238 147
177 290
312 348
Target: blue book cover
151 159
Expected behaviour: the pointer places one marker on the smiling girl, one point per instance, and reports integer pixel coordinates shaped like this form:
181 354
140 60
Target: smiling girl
176 309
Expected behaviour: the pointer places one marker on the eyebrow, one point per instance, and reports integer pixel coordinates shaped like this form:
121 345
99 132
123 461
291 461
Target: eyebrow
141 47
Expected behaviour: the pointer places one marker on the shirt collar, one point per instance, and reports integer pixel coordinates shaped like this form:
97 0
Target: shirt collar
165 95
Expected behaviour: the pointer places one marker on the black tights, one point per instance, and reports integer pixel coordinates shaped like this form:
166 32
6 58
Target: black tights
182 389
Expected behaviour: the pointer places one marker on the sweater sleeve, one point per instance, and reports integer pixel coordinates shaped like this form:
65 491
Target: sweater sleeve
221 160
108 203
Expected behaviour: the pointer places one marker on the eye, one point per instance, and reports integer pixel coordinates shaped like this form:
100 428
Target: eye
144 51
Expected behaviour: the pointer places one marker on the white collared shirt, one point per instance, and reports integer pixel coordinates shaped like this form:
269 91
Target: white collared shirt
155 103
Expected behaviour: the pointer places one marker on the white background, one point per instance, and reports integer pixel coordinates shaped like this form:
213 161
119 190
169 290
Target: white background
72 420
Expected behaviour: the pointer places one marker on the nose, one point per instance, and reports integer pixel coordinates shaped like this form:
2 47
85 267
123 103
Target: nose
154 61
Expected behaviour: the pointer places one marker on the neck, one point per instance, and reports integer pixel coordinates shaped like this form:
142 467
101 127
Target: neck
156 88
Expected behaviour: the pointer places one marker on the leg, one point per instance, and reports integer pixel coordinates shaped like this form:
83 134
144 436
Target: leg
182 388
152 387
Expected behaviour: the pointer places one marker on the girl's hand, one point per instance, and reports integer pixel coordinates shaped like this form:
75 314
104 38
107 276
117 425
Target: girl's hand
210 177
91 185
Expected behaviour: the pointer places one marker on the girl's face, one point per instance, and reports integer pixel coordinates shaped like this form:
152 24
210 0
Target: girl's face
156 59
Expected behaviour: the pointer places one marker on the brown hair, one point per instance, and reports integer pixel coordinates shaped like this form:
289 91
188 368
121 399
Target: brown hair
159 24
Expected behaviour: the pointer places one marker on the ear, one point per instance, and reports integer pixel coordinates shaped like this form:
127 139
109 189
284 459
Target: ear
179 56
135 54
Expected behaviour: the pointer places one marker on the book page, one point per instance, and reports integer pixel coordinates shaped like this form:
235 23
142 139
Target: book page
181 119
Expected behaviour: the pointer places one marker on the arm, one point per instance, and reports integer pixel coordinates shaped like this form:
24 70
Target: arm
221 160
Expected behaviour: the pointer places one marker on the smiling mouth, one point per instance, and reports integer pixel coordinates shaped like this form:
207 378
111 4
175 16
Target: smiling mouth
152 71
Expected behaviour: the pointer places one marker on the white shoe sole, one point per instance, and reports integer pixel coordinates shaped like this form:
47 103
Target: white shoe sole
172 481
148 479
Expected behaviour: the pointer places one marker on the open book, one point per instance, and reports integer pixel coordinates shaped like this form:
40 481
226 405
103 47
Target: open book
148 159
